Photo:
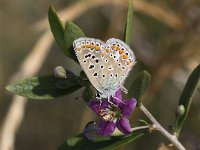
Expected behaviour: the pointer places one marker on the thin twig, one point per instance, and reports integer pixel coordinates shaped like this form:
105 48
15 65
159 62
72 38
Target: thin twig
119 133
157 125
139 128
75 10
162 14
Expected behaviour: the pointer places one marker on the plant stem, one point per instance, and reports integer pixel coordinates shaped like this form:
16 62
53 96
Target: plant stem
118 133
139 128
157 125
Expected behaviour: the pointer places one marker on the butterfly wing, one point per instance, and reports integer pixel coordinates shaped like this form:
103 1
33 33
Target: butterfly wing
88 52
121 59
106 64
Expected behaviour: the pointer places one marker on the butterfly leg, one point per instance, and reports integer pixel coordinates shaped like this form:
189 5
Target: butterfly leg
109 100
118 99
124 90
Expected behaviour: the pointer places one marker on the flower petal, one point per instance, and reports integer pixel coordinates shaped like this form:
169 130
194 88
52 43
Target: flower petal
97 105
118 93
117 99
106 128
124 125
127 107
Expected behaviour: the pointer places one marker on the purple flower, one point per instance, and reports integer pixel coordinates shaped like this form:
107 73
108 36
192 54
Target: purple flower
114 114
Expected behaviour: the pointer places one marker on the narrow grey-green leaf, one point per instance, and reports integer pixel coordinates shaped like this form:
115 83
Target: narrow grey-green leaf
139 85
42 88
186 97
89 93
109 143
129 24
56 27
72 32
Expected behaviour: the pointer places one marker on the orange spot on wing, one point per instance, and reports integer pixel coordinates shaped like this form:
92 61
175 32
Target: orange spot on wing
92 46
113 46
125 56
121 52
103 54
107 50
117 48
97 48
129 62
87 45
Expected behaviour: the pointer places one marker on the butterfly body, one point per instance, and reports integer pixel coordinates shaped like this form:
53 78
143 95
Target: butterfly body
106 64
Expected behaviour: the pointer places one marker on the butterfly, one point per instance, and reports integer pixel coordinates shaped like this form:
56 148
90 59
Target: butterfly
106 64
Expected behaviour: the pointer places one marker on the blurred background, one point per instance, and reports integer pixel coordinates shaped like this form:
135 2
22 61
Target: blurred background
166 41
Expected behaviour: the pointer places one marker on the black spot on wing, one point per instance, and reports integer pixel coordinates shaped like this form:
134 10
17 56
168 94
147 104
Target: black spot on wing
95 74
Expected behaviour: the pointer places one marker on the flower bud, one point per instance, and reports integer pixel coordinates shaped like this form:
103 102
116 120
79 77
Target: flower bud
180 110
91 131
59 72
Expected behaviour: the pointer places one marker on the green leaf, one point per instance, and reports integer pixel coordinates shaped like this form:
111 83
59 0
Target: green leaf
129 24
109 143
56 28
89 93
42 88
139 86
186 97
64 36
144 122
72 32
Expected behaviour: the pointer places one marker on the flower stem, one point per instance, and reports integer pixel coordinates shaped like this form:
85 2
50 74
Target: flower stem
157 125
118 133
139 128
